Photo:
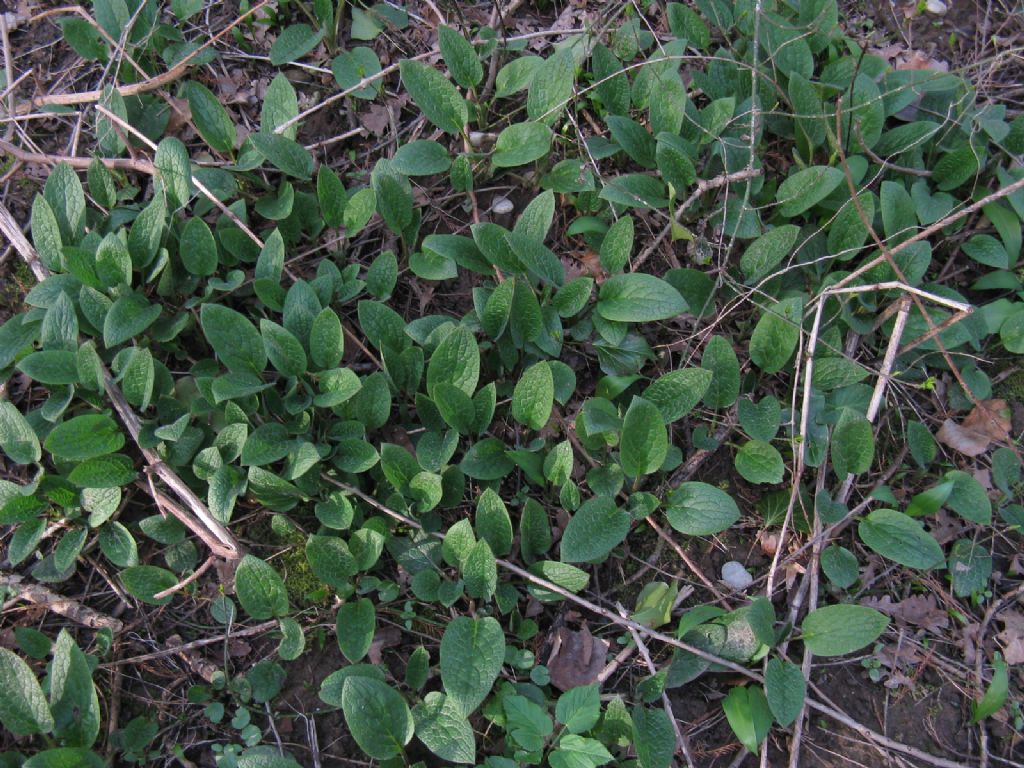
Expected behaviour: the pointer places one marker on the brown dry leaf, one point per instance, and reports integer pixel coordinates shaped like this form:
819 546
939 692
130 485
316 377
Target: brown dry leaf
918 610
376 119
577 658
1012 636
989 422
387 637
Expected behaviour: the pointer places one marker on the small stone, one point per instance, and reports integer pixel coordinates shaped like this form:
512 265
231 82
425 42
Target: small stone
736 576
938 7
502 206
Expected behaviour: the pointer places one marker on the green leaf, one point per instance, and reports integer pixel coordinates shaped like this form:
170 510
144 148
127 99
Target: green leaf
265 445
597 527
853 444
421 158
480 571
653 737
637 298
235 340
840 629
634 139
516 76
526 723
720 359
283 349
63 191
23 708
900 538
472 652
354 66
538 259
970 567
332 197
285 154
486 460
171 160
292 44
73 700
84 437
377 717
461 58
617 245
551 88
456 361
996 694
443 728
767 252
644 443
435 95
759 462
579 709
326 340
46 234
840 566
147 232
521 143
66 757
776 335
534 396
108 471
260 589
676 393
806 188
699 509
51 366
848 232
579 752
355 626
786 689
197 248
211 119
747 711
968 498
145 581
128 317
18 440
280 104
492 522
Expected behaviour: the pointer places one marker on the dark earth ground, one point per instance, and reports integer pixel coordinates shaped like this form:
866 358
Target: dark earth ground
916 704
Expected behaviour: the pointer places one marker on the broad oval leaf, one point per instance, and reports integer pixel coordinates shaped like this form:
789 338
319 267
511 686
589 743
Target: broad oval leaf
786 689
260 589
23 708
435 95
597 527
644 443
534 396
472 652
699 509
840 629
377 716
900 538
637 298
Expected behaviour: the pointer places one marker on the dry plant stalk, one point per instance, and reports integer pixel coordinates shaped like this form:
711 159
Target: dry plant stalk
194 514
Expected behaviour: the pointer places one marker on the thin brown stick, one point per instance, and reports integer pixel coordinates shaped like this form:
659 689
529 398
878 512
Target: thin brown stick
702 187
629 624
200 521
247 632
186 581
80 163
134 89
63 606
682 743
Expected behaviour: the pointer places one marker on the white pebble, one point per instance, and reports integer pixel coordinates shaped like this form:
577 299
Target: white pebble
736 576
938 7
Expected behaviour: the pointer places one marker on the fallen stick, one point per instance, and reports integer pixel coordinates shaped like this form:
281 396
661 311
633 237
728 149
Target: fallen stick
63 606
197 517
